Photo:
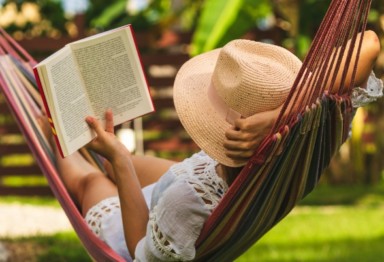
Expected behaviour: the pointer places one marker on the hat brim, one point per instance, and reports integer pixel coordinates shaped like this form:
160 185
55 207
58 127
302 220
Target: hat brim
196 113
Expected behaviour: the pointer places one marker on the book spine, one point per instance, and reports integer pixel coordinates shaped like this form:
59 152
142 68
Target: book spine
141 63
38 81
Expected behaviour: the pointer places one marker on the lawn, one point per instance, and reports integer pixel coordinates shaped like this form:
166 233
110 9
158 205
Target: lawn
331 224
335 233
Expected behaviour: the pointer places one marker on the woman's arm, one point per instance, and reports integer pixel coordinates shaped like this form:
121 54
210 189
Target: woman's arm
133 206
370 50
243 138
147 174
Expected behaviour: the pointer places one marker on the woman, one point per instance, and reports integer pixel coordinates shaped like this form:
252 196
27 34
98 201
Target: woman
152 209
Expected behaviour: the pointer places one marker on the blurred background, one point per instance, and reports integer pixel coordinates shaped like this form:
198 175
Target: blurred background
339 221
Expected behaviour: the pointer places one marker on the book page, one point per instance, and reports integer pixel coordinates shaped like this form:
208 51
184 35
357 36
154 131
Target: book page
67 102
112 74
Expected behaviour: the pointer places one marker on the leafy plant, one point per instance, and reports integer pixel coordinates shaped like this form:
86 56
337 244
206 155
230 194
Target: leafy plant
221 21
51 14
117 13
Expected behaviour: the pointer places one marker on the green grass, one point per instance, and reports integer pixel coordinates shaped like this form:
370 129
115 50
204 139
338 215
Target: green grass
345 195
331 224
59 248
67 243
335 233
343 223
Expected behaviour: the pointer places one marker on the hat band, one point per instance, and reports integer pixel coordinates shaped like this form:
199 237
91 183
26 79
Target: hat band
221 107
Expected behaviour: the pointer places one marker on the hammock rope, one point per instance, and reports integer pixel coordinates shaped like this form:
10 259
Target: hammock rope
311 127
287 166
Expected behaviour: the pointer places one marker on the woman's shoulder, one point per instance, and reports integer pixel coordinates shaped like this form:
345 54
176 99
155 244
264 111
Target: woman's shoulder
197 175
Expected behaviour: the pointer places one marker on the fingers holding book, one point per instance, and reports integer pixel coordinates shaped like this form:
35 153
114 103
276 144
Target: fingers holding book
105 143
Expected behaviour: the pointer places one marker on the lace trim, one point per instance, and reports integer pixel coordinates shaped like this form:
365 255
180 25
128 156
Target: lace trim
363 96
200 172
96 214
207 185
160 242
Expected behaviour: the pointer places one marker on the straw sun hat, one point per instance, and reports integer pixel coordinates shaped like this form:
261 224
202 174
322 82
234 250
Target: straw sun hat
241 79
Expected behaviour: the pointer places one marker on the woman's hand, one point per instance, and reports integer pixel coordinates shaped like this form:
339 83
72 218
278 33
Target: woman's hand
133 207
244 137
106 143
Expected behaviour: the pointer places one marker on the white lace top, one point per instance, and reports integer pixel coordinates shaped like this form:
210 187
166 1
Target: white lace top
182 200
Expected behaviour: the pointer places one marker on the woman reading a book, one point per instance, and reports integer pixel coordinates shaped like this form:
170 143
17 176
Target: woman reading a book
153 209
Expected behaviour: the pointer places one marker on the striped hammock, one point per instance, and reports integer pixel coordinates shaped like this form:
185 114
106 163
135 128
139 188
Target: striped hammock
284 169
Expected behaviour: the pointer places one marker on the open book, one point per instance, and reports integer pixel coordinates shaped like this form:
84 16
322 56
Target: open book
88 76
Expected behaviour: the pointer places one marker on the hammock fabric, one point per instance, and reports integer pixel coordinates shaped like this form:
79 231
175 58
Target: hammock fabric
310 129
19 88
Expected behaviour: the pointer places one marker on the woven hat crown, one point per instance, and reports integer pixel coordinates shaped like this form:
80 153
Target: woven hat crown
252 77
241 79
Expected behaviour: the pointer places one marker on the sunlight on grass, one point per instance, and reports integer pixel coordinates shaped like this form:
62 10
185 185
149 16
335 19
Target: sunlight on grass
323 234
343 194
63 246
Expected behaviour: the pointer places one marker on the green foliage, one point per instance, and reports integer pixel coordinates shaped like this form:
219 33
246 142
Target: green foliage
188 14
116 14
222 21
109 13
51 11
312 13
